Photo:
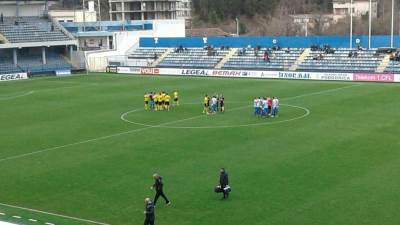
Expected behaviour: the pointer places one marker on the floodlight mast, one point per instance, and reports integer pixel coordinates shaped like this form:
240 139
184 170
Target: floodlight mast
351 24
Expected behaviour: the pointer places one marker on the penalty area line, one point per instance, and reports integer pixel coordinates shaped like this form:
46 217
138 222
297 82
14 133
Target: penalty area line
53 214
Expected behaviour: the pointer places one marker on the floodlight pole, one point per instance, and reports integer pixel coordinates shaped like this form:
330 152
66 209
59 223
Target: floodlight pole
237 27
84 15
370 24
306 24
99 8
351 24
392 28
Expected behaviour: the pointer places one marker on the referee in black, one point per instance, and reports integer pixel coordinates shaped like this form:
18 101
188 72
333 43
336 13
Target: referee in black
158 186
223 182
149 212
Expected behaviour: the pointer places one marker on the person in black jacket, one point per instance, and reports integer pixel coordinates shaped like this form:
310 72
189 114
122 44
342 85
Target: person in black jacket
223 182
149 212
158 186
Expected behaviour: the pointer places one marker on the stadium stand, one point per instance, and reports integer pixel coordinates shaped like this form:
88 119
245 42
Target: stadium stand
30 61
30 29
146 53
6 63
339 60
278 59
193 58
33 64
342 60
393 67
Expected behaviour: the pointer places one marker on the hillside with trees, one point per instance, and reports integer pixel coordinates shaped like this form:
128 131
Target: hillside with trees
272 17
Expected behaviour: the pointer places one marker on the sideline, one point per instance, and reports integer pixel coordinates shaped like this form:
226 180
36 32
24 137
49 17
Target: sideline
53 214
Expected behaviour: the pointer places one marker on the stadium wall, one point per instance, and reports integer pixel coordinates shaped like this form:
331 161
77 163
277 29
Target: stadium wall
356 77
291 42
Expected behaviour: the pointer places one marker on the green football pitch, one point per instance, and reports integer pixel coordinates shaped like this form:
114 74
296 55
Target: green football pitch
81 150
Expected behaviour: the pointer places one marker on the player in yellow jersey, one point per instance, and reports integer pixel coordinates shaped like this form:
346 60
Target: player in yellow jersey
206 104
155 97
160 101
146 101
176 98
163 106
167 100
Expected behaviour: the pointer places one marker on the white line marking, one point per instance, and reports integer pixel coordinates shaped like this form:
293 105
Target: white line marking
90 140
323 92
54 214
32 220
306 110
138 130
17 217
49 223
16 96
2 214
68 87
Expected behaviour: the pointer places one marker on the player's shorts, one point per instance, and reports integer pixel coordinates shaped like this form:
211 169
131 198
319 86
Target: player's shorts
166 103
206 105
176 99
146 102
162 102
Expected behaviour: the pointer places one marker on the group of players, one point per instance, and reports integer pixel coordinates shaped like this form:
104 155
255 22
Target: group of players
266 106
214 104
160 101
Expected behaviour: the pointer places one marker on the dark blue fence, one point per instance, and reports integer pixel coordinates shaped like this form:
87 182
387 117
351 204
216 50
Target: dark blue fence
292 42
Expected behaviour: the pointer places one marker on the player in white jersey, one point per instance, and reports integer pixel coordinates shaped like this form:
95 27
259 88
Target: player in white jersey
255 106
214 103
264 109
259 109
275 107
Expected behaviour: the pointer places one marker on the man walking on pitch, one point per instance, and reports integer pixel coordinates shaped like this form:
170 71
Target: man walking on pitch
223 182
149 212
158 186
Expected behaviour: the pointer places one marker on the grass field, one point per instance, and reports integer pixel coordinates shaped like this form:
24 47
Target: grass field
332 157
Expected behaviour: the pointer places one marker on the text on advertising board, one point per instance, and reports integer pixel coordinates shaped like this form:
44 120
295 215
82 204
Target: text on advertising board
14 76
373 77
294 75
150 71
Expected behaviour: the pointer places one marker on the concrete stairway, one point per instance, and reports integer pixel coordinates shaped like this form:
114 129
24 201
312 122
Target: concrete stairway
3 39
231 53
300 60
162 57
385 62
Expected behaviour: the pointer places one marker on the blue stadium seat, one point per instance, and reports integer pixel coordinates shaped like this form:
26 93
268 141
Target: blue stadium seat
30 29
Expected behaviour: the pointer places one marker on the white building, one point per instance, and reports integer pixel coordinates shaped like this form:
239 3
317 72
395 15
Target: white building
341 8
305 22
184 9
87 15
122 10
24 8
